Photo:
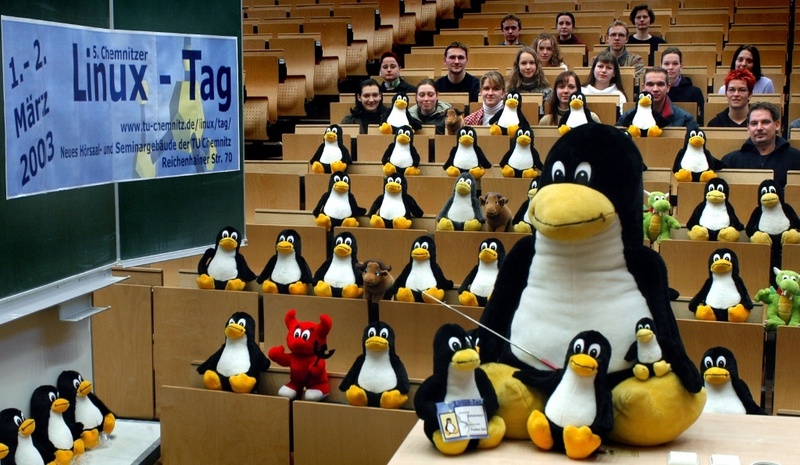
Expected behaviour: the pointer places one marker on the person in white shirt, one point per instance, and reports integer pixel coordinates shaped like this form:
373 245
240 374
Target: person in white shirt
493 88
605 79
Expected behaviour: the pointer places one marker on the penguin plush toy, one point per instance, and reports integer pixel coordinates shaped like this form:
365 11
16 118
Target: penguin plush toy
521 222
477 286
237 364
723 296
646 122
338 276
52 429
456 376
286 272
714 218
727 393
398 116
21 448
86 408
462 211
332 155
422 275
646 352
509 118
579 412
694 162
337 206
587 241
395 207
773 221
401 155
378 377
578 113
467 155
223 267
522 160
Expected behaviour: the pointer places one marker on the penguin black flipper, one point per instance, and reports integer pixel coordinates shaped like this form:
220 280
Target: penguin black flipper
700 297
451 158
735 223
211 362
403 384
467 281
744 394
743 294
245 273
400 281
441 281
202 265
321 204
483 162
351 377
388 153
512 275
650 273
412 208
694 220
755 218
431 391
356 210
544 381
268 269
676 165
376 205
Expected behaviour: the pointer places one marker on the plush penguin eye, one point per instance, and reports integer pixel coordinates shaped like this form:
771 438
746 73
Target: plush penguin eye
772 190
701 133
471 133
720 188
692 133
639 326
583 174
337 178
290 239
528 133
242 322
643 326
52 396
334 130
708 363
463 132
727 256
372 332
348 241
234 236
516 96
573 97
716 257
721 362
306 335
76 383
339 240
559 172
534 184
297 333
421 245
18 420
642 94
346 179
385 333
407 132
595 350
577 347
225 234
467 180
231 321
493 245
454 343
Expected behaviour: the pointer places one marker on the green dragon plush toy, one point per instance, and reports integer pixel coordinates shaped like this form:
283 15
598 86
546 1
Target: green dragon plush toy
783 304
658 223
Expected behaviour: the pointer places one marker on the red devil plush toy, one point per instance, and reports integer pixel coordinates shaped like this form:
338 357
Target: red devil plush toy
306 360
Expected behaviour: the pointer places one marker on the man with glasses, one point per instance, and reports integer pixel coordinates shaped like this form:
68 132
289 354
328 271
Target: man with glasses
616 38
457 78
656 82
739 84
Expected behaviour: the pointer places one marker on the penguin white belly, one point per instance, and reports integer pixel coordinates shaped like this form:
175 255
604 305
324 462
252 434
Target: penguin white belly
643 119
483 284
465 158
377 374
573 402
392 206
331 152
235 358
397 117
648 352
26 453
401 156
715 216
87 413
340 273
694 160
338 205
573 287
421 276
461 209
508 118
576 118
461 385
287 270
521 158
223 266
773 220
723 292
723 399
58 432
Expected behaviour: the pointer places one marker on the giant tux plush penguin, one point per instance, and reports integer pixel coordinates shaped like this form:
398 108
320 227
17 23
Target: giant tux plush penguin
401 155
47 409
398 116
395 207
85 407
723 296
477 286
462 211
422 276
522 159
332 155
286 272
509 118
236 366
579 412
378 377
466 155
337 206
223 267
338 276
578 113
714 218
21 448
727 393
456 376
773 221
645 121
694 162
585 267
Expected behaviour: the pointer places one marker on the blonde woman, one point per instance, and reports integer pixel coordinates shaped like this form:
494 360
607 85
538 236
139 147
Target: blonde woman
493 89
546 47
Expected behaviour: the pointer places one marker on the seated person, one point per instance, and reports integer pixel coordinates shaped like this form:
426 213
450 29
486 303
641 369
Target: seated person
681 88
390 72
605 79
566 84
765 149
511 27
616 38
747 57
656 82
457 78
369 107
642 17
565 26
549 53
429 109
493 92
527 75
738 90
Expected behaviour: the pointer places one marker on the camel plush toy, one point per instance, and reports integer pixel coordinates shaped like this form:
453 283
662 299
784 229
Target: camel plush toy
495 209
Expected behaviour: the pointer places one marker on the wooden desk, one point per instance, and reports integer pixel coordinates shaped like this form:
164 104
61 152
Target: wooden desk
750 437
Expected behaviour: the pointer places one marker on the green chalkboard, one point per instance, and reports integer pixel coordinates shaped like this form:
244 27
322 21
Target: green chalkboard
49 237
179 213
